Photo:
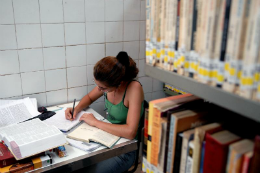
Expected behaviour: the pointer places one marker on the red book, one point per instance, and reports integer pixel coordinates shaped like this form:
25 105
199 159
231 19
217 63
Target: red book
6 157
216 151
255 162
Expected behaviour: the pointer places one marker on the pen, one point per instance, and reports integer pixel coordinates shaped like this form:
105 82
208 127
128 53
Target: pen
73 109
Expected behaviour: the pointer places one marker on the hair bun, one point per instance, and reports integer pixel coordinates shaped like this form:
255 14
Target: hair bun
123 58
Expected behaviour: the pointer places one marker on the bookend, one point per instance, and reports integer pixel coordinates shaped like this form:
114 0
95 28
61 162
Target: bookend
140 139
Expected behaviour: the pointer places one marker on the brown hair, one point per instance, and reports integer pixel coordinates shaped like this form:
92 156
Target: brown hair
113 70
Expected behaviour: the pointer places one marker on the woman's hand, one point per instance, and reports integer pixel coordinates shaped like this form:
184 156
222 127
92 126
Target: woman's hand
89 119
68 114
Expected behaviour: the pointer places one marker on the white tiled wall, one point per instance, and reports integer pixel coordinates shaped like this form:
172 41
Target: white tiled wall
48 48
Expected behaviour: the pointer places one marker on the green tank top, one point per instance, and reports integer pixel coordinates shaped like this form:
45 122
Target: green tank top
117 114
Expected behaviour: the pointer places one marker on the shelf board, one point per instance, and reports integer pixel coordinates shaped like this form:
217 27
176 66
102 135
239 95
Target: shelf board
230 101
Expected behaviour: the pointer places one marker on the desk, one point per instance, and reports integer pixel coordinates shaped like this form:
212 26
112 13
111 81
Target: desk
78 159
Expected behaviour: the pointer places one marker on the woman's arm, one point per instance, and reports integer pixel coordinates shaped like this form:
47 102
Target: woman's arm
92 96
128 130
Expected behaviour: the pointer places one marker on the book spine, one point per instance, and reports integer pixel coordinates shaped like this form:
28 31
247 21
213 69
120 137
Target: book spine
220 76
156 137
246 163
150 125
177 156
167 142
170 144
254 165
189 158
184 155
202 156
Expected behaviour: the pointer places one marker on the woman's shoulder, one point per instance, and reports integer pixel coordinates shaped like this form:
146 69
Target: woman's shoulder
135 84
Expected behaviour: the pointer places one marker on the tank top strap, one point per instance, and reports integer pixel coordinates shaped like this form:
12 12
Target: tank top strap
126 88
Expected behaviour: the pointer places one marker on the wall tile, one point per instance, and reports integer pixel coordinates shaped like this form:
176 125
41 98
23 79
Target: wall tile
75 33
52 35
54 57
158 95
95 32
29 36
142 50
90 88
76 55
77 76
33 82
9 62
114 10
55 79
56 97
142 30
6 12
76 93
74 11
148 97
90 75
7 37
141 68
95 52
147 84
132 9
131 31
132 48
95 10
51 11
41 99
26 11
143 11
10 86
30 60
112 49
114 31
157 85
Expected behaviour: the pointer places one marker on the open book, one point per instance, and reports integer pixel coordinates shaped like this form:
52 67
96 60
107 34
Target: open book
87 133
12 112
31 137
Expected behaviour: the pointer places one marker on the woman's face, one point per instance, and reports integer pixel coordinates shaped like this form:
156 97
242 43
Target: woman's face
102 87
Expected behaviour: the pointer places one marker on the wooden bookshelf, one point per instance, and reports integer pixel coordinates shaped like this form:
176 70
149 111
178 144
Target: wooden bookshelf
230 101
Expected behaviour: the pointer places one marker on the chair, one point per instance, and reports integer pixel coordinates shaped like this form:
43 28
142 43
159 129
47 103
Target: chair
140 138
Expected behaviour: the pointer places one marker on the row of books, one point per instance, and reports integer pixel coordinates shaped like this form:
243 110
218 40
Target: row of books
216 42
174 89
185 134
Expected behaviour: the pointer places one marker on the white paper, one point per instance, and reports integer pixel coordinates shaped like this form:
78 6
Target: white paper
62 123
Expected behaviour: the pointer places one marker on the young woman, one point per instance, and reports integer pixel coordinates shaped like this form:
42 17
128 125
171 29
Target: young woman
124 97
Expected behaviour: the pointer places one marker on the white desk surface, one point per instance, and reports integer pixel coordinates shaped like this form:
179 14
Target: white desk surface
78 158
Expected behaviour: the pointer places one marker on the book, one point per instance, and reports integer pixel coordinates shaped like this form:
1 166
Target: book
246 161
17 111
189 161
199 137
187 136
254 165
177 156
150 122
236 152
202 156
181 121
6 157
88 147
30 138
235 44
251 51
28 164
145 138
161 154
88 133
216 150
65 125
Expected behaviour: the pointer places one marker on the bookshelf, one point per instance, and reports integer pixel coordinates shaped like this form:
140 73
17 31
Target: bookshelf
230 101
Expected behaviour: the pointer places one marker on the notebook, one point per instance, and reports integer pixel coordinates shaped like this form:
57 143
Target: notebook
62 123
